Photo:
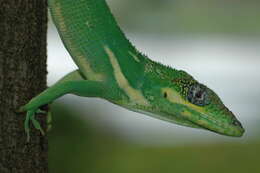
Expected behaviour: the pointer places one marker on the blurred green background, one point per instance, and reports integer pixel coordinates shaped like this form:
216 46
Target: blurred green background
77 146
217 42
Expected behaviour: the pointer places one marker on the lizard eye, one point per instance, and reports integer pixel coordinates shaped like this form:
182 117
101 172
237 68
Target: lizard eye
198 95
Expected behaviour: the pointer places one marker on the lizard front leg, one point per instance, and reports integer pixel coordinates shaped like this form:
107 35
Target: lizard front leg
71 84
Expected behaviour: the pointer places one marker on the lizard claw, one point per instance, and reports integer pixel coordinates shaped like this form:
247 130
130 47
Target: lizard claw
30 116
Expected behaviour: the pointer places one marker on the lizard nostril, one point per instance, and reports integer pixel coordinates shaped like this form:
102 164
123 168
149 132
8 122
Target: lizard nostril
165 95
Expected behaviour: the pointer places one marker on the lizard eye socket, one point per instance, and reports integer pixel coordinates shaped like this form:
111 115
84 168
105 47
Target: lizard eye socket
198 95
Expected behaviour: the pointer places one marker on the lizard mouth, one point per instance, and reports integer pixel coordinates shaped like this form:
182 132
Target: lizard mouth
195 120
207 122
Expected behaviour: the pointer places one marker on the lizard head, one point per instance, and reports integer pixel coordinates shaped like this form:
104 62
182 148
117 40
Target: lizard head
175 96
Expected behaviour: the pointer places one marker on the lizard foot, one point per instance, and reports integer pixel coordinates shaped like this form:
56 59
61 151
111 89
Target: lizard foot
30 116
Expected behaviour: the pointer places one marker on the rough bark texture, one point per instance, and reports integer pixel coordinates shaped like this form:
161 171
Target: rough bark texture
23 25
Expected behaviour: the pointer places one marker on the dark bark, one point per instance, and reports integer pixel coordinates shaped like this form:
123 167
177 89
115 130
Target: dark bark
23 26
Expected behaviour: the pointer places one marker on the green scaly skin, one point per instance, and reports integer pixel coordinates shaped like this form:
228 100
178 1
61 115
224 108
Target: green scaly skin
111 68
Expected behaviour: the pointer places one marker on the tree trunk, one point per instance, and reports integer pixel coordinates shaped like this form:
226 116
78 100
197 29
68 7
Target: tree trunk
23 26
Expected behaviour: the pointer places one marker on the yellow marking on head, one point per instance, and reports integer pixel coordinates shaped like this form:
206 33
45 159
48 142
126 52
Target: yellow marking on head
134 94
186 113
134 56
174 97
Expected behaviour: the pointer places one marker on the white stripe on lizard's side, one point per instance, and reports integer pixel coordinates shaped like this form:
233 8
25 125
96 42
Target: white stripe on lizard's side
134 95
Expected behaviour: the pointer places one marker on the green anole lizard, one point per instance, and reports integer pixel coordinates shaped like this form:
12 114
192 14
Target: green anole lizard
110 67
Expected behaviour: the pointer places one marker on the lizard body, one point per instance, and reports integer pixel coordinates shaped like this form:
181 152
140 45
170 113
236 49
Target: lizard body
110 67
